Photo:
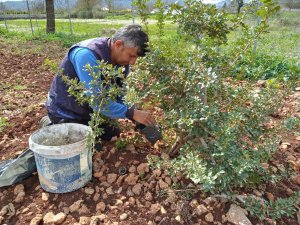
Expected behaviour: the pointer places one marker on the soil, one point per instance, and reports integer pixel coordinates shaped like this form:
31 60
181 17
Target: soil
25 81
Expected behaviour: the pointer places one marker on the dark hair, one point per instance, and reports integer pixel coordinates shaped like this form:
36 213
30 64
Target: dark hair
133 36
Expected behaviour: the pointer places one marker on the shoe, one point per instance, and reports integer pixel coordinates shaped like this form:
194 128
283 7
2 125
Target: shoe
45 121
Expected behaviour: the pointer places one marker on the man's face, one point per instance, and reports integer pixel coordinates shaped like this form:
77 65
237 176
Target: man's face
126 55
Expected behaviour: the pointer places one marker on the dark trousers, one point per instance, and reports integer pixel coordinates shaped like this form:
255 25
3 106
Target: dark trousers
109 130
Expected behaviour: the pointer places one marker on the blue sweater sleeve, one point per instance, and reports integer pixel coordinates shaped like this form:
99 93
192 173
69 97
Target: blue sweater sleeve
80 57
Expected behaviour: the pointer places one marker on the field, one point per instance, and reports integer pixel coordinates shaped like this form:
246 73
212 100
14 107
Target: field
28 65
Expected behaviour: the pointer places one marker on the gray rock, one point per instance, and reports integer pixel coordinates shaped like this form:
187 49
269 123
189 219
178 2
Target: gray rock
236 215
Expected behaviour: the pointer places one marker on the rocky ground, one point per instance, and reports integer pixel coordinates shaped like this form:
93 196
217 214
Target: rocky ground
141 194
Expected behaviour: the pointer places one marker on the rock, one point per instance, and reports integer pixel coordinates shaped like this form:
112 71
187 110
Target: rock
111 177
120 180
98 174
50 218
137 189
157 172
37 219
270 196
123 216
168 180
96 219
20 197
163 210
210 200
119 202
236 215
45 196
89 191
131 201
132 169
209 217
157 219
298 216
194 203
201 209
162 184
130 148
257 193
8 210
296 179
165 156
155 208
143 168
75 206
269 221
84 220
100 207
148 204
109 191
96 197
117 164
148 196
178 218
66 210
83 210
18 188
131 179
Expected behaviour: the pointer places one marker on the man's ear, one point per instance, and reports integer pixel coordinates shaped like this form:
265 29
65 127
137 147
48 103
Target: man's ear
118 43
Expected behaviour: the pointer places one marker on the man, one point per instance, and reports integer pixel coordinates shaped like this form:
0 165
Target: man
122 50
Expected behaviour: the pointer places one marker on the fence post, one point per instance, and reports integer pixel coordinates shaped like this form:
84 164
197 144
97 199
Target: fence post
70 21
29 16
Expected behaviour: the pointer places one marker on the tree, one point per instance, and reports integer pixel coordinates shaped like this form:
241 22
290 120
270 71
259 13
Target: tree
292 4
240 5
50 16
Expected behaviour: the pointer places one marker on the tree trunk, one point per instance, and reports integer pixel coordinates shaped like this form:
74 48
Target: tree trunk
50 16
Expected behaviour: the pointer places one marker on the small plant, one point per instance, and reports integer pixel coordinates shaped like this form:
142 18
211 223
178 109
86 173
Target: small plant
273 209
3 123
51 64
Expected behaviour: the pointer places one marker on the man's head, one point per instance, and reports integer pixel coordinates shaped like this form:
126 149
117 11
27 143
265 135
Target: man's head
128 43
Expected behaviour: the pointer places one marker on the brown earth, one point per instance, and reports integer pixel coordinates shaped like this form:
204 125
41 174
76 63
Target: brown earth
141 197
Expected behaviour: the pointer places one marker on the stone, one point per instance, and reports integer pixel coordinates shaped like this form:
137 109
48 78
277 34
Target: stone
269 221
109 191
162 184
131 179
132 169
98 218
296 179
84 220
178 218
18 188
123 216
136 189
36 220
96 197
155 208
83 210
200 210
120 180
148 196
100 207
157 172
210 200
131 201
75 206
143 168
236 215
194 203
111 177
130 147
209 217
20 197
8 210
98 174
45 196
163 210
51 218
270 196
89 191
168 180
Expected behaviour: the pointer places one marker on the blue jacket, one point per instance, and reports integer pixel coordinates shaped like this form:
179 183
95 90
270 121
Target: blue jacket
61 105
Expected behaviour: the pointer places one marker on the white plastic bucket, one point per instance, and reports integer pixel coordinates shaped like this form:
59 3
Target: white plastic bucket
63 160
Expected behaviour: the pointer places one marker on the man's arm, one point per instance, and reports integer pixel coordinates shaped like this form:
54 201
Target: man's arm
80 57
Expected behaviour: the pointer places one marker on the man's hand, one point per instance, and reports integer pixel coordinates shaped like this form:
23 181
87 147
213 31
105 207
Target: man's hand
144 117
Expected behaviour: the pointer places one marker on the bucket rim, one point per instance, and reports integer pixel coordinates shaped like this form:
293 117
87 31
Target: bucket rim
57 148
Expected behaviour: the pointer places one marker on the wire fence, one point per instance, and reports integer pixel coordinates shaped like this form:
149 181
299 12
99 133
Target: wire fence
32 18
